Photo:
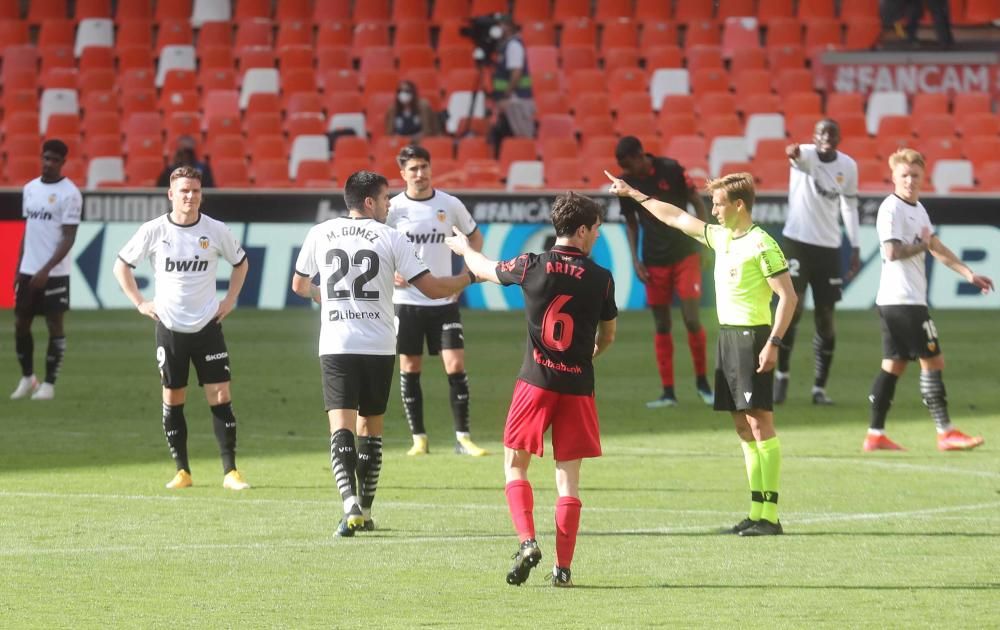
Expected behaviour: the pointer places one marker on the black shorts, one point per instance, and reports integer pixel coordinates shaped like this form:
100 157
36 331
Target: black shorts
738 386
176 351
54 298
908 332
815 266
441 325
357 381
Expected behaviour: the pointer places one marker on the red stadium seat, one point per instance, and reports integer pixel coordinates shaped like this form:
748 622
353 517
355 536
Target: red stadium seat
705 32
615 58
619 33
293 11
565 174
768 10
704 56
576 57
653 11
538 33
271 173
143 172
525 11
556 126
579 31
840 103
656 34
57 32
231 173
294 33
41 10
686 11
445 10
332 11
568 10
816 10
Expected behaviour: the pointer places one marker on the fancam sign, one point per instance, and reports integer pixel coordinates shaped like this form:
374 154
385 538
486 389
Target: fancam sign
911 73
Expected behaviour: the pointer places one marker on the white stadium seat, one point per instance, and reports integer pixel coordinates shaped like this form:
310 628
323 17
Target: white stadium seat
211 11
948 174
174 58
525 174
105 169
259 81
307 147
763 126
667 81
458 108
726 149
348 120
56 101
884 104
96 32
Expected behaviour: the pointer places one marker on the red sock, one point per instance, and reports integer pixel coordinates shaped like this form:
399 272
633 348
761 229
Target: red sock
697 343
664 345
521 503
567 524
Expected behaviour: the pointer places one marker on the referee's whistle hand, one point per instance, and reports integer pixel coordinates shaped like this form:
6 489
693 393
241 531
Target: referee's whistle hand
768 358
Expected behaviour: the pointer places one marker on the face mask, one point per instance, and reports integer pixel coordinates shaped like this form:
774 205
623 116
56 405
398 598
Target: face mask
496 31
405 97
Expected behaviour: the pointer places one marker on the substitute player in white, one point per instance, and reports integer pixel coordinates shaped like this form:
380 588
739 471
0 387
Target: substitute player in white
357 257
51 207
908 332
426 216
184 247
823 185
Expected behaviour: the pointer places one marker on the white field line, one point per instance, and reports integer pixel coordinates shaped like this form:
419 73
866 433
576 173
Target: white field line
329 542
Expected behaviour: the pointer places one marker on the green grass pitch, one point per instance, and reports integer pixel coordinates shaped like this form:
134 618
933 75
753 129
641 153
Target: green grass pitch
89 538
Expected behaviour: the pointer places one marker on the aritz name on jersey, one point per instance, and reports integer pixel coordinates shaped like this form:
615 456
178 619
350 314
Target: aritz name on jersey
185 265
352 230
43 215
425 238
575 271
338 316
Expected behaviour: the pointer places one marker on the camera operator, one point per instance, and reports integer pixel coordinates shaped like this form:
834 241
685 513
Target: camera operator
512 93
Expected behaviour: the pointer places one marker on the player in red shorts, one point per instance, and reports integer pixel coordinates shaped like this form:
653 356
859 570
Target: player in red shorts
569 302
670 263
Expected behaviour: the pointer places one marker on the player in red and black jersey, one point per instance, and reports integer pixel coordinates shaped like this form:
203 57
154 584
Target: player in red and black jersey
571 313
669 263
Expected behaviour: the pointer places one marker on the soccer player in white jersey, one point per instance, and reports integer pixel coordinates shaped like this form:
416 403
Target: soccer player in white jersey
823 184
51 205
426 215
357 257
908 332
184 247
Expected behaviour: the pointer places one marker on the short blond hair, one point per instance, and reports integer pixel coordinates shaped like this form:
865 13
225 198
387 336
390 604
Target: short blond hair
906 155
186 172
736 186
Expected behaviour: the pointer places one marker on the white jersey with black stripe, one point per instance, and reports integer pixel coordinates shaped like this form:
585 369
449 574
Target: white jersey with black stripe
357 259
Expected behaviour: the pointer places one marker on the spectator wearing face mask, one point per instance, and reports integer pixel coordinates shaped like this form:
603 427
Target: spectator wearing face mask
185 155
411 115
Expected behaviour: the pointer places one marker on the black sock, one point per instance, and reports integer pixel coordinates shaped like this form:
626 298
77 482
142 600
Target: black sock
24 345
458 385
175 428
413 401
54 358
369 467
883 391
224 423
935 398
344 461
823 356
701 383
668 392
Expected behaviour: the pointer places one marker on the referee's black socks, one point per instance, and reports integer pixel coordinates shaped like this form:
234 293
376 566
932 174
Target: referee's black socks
413 401
458 385
175 428
224 423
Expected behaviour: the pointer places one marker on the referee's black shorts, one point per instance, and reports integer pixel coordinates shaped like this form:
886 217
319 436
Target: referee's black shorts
816 267
738 386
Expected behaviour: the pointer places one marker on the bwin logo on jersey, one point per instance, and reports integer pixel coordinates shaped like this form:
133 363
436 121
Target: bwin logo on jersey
185 265
434 237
